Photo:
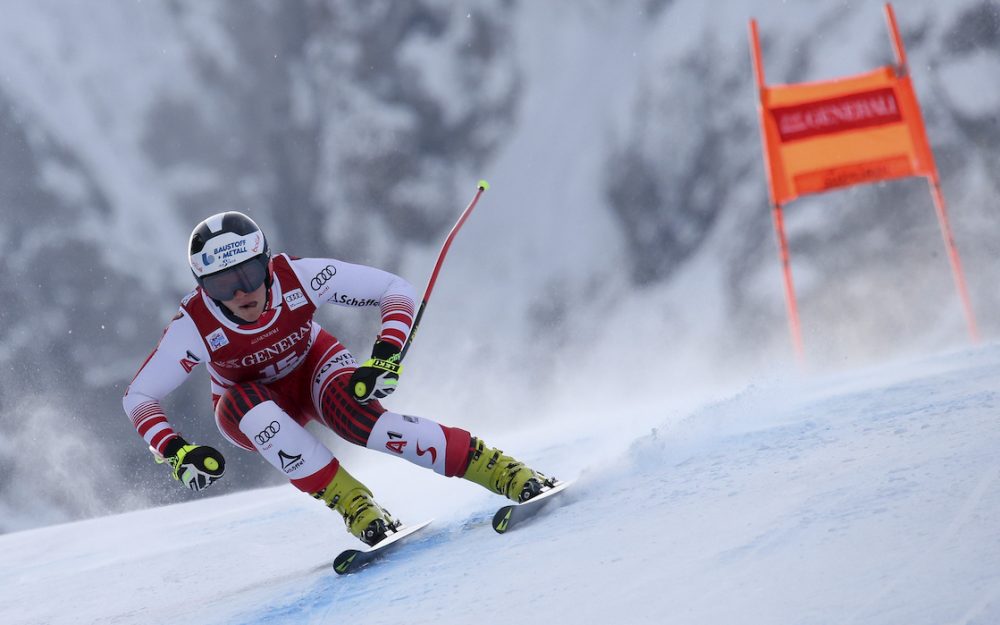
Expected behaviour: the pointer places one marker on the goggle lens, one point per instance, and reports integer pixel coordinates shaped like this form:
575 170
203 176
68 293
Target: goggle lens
246 277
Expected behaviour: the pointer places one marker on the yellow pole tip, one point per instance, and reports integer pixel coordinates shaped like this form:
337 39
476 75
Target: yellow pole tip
485 186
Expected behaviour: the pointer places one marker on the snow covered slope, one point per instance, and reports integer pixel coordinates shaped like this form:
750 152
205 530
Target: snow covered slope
870 497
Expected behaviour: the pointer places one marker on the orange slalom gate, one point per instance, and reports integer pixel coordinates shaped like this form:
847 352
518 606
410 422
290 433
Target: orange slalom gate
825 135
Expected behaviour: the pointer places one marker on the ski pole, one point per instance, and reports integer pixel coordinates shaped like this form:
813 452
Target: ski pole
482 186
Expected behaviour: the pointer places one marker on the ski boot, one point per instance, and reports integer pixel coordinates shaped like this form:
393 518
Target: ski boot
504 475
365 519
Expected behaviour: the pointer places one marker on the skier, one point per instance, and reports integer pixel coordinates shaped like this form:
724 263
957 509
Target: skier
273 369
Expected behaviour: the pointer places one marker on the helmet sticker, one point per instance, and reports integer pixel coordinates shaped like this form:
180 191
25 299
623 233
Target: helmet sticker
226 250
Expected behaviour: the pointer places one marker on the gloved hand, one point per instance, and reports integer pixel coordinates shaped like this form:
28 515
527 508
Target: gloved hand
378 376
197 466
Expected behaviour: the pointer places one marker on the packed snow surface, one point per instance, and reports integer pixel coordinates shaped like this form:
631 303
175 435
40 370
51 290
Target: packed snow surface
863 497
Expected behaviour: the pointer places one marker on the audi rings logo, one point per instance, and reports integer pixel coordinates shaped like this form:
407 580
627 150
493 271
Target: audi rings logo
268 433
323 277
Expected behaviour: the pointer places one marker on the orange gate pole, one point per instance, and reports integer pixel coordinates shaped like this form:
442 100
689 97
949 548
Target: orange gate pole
934 182
791 305
953 258
794 326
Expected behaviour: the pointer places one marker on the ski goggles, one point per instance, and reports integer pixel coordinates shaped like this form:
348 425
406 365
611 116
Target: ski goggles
246 277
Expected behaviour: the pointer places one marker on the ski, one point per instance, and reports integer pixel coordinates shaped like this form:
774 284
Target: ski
351 560
510 515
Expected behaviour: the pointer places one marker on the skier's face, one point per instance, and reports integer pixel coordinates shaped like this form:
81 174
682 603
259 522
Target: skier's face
248 306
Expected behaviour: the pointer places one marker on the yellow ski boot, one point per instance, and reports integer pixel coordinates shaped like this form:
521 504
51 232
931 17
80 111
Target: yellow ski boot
365 519
504 475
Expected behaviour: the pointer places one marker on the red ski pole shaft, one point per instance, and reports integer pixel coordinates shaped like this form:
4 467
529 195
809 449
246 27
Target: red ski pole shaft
483 186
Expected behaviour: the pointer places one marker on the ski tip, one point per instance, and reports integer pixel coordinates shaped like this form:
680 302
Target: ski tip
343 562
485 186
501 520
352 560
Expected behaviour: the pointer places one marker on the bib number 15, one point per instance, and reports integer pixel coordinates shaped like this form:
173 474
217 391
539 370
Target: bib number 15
275 370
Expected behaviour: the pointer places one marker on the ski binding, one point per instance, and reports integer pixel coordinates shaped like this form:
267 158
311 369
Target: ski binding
509 515
351 560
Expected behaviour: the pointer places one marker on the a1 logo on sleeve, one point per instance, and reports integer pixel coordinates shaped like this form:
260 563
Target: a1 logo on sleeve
295 299
189 362
217 340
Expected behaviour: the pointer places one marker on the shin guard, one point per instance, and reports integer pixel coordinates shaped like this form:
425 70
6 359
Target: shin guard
423 442
289 447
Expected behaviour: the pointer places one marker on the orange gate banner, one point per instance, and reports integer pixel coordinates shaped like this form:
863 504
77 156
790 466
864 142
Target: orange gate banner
837 133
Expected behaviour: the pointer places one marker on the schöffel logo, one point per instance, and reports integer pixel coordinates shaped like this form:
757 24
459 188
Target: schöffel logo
850 112
268 433
346 300
290 463
323 277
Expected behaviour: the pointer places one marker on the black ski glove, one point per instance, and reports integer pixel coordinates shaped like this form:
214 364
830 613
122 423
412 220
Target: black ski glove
378 376
197 466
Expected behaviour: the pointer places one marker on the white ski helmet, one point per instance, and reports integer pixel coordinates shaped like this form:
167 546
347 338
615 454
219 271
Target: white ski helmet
227 253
